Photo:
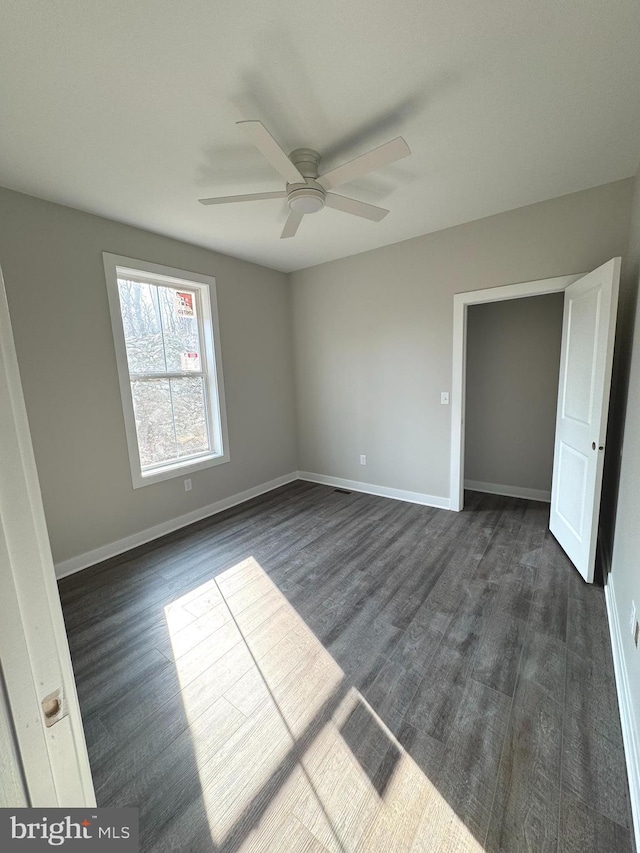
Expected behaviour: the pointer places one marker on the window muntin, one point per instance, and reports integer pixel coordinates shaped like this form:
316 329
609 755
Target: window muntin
167 348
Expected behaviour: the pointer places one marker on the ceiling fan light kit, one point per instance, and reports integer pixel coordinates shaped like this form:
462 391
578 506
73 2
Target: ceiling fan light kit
306 190
305 199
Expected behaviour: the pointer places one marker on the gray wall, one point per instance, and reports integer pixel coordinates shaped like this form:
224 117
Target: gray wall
625 564
372 352
373 332
52 263
513 359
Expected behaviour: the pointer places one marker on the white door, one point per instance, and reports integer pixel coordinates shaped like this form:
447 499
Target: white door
588 330
42 747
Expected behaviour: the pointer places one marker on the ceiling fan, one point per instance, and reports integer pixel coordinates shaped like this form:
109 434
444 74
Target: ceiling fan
306 191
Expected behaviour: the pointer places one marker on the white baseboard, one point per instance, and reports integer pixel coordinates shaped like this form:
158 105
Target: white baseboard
508 491
90 558
630 734
112 549
380 491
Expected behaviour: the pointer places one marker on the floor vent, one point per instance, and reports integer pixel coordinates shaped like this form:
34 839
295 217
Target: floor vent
342 491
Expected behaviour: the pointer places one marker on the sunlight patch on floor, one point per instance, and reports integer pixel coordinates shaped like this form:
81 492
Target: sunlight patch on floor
268 709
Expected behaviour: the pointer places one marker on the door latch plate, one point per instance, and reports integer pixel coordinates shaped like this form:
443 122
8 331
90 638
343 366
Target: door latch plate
53 708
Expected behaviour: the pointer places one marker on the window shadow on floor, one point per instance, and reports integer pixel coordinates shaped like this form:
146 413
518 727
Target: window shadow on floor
371 745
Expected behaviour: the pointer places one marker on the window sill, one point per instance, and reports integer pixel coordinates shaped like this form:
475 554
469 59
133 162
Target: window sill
179 469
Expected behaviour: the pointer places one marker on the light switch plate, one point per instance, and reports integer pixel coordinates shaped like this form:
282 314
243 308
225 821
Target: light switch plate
444 398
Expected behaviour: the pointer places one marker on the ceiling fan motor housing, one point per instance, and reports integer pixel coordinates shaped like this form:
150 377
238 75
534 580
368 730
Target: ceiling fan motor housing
306 161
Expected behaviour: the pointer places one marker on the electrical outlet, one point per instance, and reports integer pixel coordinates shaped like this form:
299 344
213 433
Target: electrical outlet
187 485
363 459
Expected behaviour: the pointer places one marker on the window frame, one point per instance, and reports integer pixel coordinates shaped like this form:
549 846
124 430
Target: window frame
204 286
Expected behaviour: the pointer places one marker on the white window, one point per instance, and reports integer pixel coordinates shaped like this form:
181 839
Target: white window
165 329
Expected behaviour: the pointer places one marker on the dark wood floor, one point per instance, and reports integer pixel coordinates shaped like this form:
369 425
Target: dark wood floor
318 671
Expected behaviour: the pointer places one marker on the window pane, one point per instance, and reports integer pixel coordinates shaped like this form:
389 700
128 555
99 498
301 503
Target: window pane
154 420
178 309
142 330
190 417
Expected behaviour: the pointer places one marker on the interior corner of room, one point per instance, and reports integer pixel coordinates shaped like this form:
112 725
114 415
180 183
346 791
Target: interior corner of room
376 386
324 363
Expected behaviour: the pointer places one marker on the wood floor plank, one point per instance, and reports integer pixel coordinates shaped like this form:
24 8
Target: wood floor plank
433 707
291 835
544 664
174 779
314 670
242 782
371 744
527 801
427 565
528 547
408 796
591 761
392 691
583 828
550 602
588 629
100 689
128 620
591 696
470 761
140 735
498 656
106 653
516 591
260 611
177 643
286 659
497 659
497 559
233 777
100 743
340 802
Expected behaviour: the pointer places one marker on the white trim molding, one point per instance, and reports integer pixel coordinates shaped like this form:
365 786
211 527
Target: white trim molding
461 302
112 549
380 491
47 764
630 734
509 491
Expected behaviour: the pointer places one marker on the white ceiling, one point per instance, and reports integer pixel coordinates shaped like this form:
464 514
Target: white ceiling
128 109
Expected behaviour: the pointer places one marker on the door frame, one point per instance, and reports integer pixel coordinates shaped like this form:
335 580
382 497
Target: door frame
461 302
35 660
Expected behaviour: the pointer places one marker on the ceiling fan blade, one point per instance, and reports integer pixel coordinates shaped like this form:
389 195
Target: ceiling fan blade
291 225
227 199
375 159
357 208
269 148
